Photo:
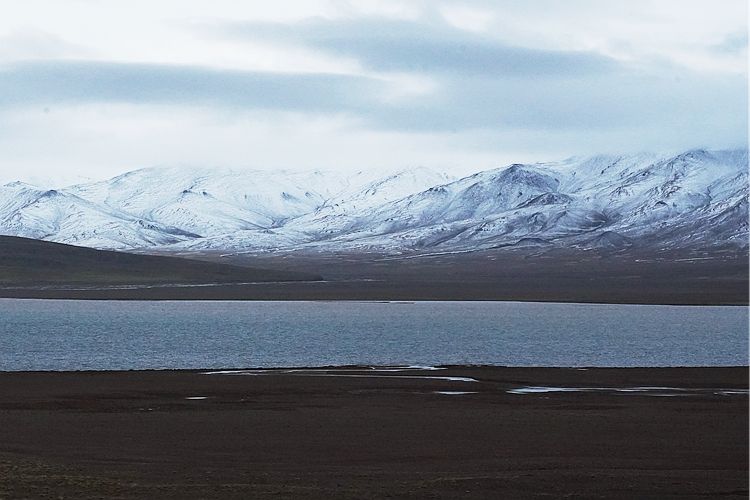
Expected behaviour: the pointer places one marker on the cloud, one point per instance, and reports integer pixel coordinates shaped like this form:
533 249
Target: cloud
31 44
612 100
733 43
57 82
446 83
484 83
398 45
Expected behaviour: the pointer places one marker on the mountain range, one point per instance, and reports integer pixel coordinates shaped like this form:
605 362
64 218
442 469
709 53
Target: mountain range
697 199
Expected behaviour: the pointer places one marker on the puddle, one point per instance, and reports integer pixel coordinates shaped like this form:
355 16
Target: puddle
648 391
366 373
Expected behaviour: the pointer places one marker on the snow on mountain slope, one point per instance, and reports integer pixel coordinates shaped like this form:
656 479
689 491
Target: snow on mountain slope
468 199
385 189
336 214
209 202
570 203
64 217
694 199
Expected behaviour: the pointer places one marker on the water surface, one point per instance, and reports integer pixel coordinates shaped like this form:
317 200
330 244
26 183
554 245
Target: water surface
98 335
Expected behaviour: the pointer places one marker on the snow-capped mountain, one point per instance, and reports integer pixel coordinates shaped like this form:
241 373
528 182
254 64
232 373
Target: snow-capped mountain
601 201
697 199
62 216
209 202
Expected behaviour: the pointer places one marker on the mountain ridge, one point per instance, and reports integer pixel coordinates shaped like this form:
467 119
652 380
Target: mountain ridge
695 199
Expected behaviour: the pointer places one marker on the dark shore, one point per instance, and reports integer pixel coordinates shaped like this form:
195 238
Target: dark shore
677 279
315 434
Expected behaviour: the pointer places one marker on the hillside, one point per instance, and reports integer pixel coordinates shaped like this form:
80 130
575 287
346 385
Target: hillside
27 262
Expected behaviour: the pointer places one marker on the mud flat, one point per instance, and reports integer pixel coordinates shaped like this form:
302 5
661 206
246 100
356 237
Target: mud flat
364 432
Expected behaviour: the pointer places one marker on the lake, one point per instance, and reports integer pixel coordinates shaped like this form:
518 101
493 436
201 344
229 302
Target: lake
114 335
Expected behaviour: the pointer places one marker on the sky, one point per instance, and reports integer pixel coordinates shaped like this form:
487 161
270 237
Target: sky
92 88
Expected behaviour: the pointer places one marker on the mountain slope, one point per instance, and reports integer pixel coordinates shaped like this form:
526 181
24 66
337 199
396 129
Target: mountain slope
28 262
696 199
63 216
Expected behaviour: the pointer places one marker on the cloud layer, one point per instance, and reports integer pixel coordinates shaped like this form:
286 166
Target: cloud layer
487 79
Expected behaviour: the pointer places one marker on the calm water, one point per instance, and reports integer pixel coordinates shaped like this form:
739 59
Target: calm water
77 335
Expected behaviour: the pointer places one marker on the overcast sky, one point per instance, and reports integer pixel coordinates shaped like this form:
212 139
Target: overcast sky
89 89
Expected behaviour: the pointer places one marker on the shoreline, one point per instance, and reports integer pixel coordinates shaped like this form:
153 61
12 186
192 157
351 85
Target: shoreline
168 296
374 432
278 369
